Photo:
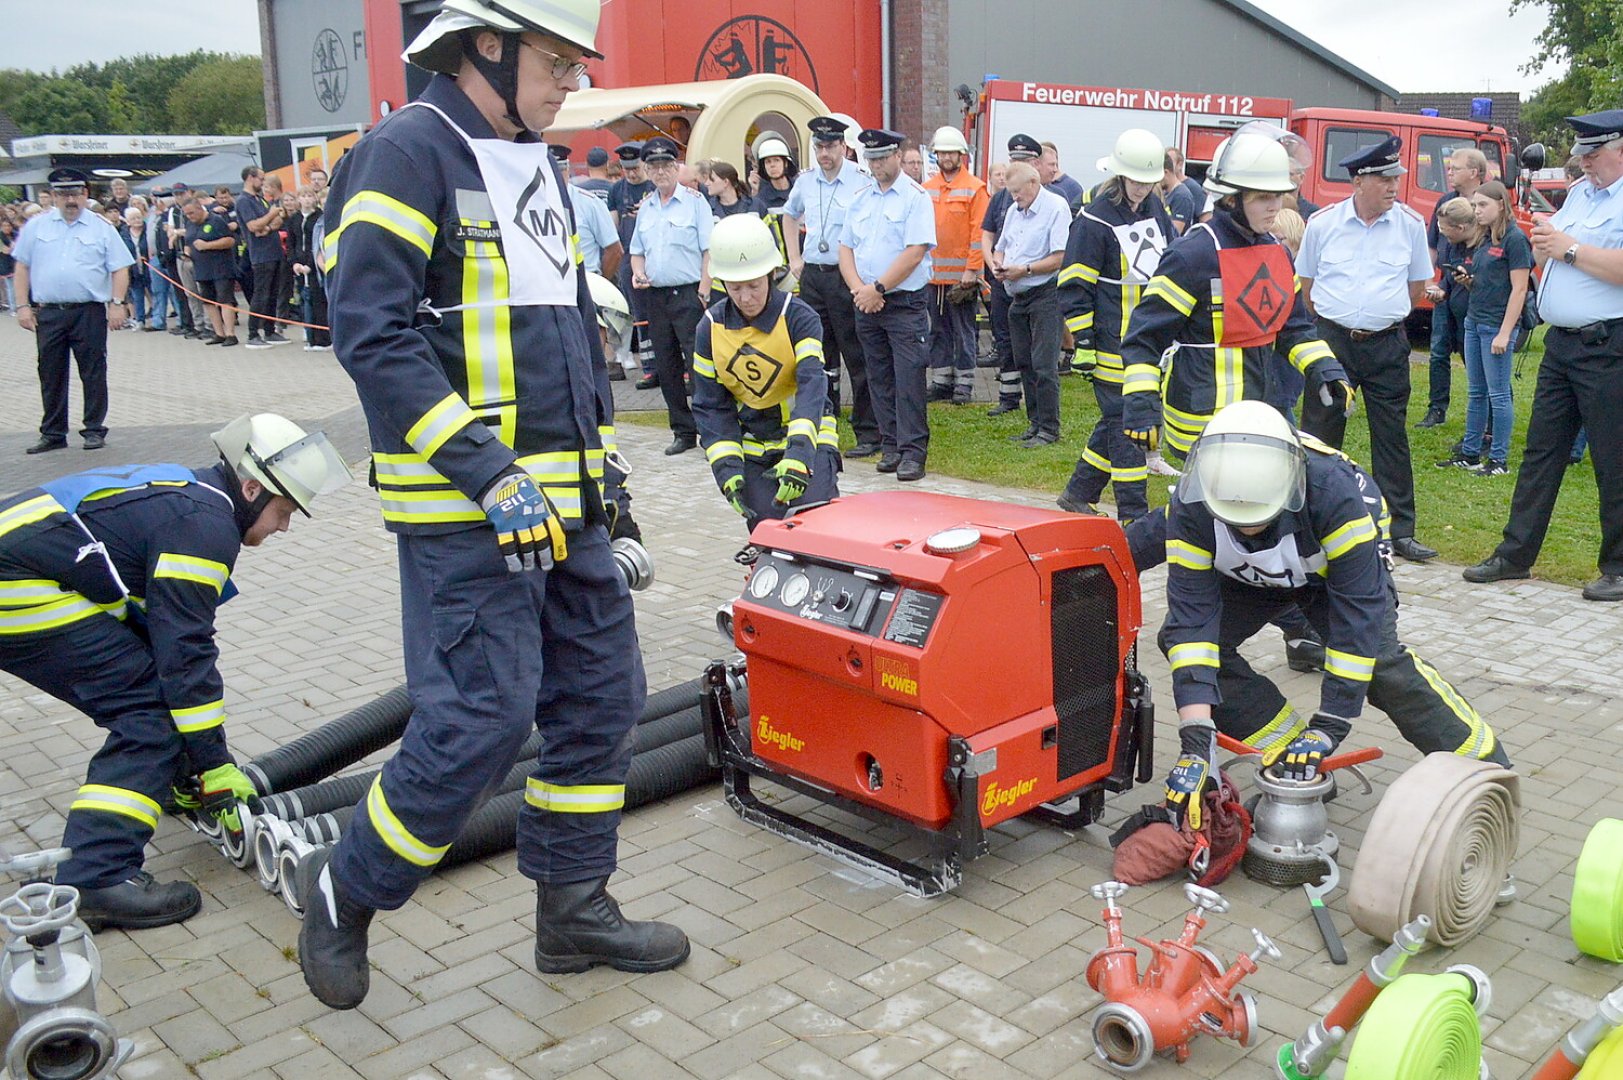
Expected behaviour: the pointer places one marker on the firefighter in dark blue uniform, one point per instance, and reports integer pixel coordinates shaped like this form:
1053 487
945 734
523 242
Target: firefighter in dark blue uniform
1116 244
1264 519
760 391
460 310
109 581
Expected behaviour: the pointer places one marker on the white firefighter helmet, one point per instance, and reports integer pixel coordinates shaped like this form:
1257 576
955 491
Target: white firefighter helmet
439 48
1139 155
1248 466
742 249
852 130
282 456
1249 161
771 144
950 139
613 313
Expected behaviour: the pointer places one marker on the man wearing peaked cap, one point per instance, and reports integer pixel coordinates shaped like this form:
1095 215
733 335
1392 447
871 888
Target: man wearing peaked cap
72 273
1581 377
1024 148
818 203
561 152
886 270
629 151
1363 266
1010 388
625 199
659 149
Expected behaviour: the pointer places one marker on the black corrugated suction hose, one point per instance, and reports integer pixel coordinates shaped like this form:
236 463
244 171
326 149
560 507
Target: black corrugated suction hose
333 746
671 699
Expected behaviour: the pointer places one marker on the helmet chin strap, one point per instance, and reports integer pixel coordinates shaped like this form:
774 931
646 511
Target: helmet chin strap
502 75
245 512
1237 212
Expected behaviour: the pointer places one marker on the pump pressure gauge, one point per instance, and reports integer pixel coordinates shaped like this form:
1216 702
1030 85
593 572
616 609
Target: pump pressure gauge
764 581
795 590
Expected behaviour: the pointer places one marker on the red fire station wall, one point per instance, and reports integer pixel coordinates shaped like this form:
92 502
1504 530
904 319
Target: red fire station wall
832 46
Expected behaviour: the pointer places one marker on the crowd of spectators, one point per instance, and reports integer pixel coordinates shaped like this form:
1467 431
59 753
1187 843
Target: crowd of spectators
194 273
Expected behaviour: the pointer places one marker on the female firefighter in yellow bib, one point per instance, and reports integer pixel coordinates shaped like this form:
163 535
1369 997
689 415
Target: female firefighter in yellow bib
760 394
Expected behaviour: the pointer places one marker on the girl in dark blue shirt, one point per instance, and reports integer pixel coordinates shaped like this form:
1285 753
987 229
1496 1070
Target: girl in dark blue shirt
1499 268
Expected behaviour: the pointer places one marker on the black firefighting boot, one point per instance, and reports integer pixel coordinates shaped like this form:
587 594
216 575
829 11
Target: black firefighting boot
578 925
332 939
139 903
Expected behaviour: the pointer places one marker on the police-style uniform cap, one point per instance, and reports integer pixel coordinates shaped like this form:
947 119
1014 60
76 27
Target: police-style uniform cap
162 193
181 189
597 157
629 151
560 151
659 148
878 142
67 180
1378 160
1024 148
1595 130
827 129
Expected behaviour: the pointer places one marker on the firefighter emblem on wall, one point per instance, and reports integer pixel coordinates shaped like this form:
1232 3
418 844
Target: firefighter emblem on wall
755 45
329 69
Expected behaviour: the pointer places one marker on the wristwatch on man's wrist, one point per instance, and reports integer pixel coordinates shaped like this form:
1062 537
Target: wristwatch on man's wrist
879 287
1570 256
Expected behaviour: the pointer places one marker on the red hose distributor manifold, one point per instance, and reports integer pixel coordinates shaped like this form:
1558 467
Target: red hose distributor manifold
1185 991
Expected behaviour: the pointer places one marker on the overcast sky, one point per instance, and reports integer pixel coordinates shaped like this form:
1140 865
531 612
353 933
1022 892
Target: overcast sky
1412 46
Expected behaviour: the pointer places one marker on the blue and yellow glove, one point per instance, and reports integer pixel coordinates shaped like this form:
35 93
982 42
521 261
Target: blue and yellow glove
1084 360
527 531
793 479
1186 783
733 489
1141 418
224 789
1299 759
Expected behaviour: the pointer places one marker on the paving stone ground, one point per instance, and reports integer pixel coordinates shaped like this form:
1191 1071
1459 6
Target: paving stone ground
800 967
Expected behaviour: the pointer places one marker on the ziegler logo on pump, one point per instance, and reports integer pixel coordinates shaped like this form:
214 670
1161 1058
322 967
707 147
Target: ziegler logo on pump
997 797
896 675
770 735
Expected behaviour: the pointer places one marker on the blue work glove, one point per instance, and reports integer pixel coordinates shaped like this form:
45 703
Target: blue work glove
1084 360
528 533
1186 783
225 788
1141 418
1299 759
733 488
793 479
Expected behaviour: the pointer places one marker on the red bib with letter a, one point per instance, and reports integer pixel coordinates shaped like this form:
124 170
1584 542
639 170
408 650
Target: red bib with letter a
1259 289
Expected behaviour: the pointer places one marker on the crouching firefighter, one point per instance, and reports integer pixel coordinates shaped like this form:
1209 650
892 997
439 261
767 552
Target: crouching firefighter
461 312
760 392
109 580
1262 519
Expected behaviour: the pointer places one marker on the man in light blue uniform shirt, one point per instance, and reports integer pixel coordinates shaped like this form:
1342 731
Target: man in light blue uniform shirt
1026 260
818 202
1580 382
885 263
595 233
670 268
73 270
1363 265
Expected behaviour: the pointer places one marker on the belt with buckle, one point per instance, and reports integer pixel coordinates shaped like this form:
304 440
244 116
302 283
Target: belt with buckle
1365 335
70 306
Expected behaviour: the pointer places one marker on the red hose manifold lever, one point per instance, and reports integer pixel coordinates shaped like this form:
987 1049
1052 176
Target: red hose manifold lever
1185 991
1329 764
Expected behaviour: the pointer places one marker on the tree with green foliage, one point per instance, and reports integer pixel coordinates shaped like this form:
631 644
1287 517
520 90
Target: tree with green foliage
132 95
224 97
61 107
1586 36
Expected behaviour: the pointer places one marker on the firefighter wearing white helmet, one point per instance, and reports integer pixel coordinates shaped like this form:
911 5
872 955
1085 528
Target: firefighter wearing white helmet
109 581
1221 301
960 199
777 173
1115 248
460 310
1265 519
760 394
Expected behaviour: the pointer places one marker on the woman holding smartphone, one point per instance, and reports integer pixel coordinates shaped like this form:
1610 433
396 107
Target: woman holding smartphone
1497 276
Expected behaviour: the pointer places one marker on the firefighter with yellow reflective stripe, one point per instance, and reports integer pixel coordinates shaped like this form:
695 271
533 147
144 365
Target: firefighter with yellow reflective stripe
760 392
460 310
109 581
1263 519
1115 247
1223 296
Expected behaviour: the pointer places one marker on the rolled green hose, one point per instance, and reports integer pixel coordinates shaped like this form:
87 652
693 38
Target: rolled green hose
1605 1062
1597 893
1422 1027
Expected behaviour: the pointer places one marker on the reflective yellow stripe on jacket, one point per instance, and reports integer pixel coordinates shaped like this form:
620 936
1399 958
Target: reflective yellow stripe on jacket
389 214
192 568
412 490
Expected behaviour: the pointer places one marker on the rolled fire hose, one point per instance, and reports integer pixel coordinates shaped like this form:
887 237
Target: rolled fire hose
1597 893
1422 1027
1606 1060
335 745
1439 844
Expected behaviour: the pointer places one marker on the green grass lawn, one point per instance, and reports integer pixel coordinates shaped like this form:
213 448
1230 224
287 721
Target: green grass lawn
1459 514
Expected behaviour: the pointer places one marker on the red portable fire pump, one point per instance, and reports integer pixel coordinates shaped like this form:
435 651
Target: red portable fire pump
935 663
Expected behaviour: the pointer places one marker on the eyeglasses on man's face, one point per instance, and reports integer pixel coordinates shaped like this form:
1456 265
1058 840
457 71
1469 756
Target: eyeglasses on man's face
563 68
